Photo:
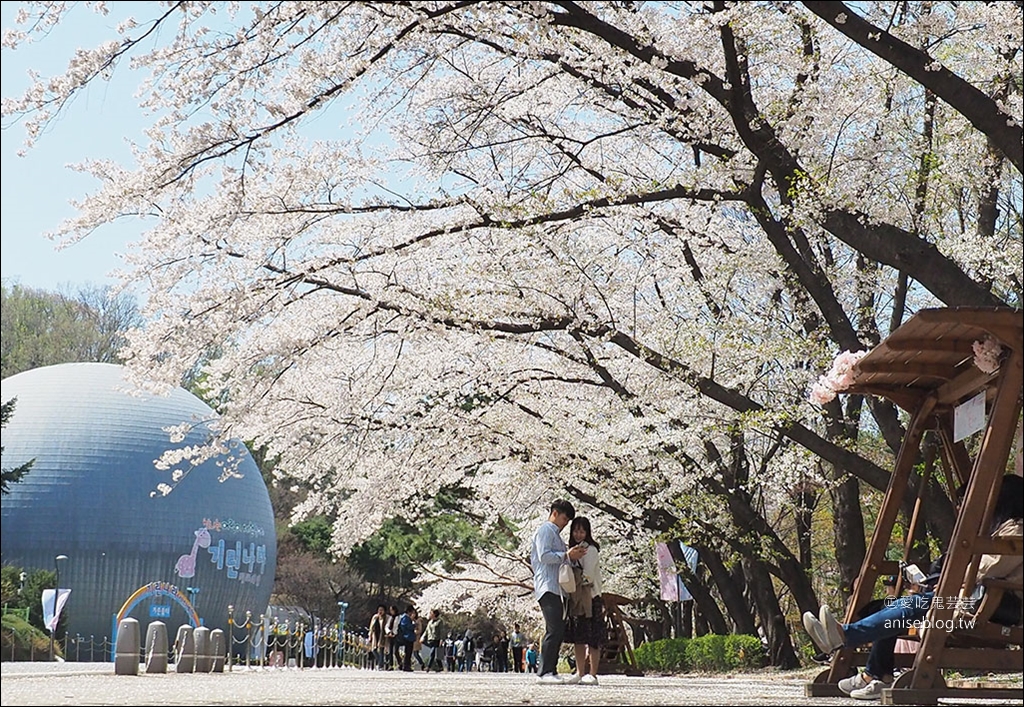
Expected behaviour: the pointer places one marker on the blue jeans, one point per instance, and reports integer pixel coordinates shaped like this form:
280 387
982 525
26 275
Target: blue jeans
433 657
554 630
881 629
403 654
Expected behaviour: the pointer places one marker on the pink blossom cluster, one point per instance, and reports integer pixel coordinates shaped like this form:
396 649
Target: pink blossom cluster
840 377
986 354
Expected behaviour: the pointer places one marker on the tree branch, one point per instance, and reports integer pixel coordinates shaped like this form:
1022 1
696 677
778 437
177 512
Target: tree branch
982 112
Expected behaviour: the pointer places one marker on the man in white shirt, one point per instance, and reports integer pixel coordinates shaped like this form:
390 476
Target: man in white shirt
546 555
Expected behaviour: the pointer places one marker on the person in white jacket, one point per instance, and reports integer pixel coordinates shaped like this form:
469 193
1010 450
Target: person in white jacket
586 630
547 554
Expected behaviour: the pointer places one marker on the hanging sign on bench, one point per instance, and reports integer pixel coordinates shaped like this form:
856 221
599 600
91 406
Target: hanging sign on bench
969 417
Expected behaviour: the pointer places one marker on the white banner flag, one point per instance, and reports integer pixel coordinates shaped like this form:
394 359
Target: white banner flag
50 616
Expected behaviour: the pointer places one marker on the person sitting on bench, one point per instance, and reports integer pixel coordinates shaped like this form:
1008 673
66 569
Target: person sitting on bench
879 628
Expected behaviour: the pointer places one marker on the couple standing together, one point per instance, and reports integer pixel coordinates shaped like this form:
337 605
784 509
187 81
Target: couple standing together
585 625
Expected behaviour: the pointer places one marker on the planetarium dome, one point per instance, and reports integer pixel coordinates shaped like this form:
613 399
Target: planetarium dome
90 496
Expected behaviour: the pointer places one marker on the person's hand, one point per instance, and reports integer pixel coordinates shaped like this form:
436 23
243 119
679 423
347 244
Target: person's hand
576 552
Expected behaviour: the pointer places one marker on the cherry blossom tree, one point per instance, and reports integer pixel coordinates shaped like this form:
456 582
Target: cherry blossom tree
605 247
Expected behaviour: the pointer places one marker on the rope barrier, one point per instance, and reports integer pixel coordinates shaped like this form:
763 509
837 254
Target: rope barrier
274 645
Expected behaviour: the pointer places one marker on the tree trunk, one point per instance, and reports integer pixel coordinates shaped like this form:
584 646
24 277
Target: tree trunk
848 533
786 566
700 625
730 587
687 619
803 511
780 644
707 607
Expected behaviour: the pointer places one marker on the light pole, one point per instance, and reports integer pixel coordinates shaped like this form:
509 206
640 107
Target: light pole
192 592
342 606
56 594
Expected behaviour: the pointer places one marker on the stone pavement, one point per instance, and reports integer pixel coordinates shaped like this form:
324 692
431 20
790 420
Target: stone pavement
96 684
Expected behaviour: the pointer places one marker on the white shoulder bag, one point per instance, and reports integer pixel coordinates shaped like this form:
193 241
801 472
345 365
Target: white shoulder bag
566 578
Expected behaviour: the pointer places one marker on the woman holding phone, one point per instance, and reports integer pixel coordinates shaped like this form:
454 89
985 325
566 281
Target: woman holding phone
587 632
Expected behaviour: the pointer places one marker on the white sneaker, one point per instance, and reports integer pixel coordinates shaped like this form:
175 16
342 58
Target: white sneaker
816 631
833 629
549 679
873 691
857 682
827 637
588 679
573 679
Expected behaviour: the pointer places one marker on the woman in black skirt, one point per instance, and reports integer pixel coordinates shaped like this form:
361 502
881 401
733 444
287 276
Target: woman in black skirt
585 628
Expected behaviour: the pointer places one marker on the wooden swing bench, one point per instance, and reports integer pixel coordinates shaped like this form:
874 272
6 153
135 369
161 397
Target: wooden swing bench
617 653
927 368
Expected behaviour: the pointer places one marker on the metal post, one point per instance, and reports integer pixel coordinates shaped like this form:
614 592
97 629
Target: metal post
231 633
248 639
56 593
266 642
192 592
274 642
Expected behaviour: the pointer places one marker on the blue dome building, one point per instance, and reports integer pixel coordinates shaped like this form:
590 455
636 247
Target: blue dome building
92 495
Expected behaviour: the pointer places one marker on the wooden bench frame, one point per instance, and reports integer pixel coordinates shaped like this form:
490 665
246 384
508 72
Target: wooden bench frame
926 367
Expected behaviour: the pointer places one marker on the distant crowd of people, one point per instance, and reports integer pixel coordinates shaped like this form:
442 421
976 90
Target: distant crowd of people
397 640
567 585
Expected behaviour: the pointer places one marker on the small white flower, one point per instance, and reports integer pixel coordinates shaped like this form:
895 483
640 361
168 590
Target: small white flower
841 376
986 354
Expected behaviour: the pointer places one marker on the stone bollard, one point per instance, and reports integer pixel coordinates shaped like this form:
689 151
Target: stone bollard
126 654
185 650
217 648
156 647
204 650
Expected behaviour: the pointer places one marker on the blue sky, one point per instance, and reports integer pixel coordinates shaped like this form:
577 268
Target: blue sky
37 189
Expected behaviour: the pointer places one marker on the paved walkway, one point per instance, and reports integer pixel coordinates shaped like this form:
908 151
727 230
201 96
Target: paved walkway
96 684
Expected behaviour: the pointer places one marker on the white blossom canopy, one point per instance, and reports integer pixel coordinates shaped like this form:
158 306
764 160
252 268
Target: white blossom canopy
414 244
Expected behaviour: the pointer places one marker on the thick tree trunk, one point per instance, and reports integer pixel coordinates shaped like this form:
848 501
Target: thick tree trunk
804 497
706 605
848 521
731 584
780 644
848 533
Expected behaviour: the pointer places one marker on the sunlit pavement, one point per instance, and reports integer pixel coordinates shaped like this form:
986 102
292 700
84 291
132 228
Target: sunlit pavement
96 684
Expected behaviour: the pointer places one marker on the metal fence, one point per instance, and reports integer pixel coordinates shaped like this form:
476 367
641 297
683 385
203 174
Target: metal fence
285 646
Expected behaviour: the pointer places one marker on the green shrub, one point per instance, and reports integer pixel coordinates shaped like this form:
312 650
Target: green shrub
706 654
19 640
710 653
667 655
745 652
